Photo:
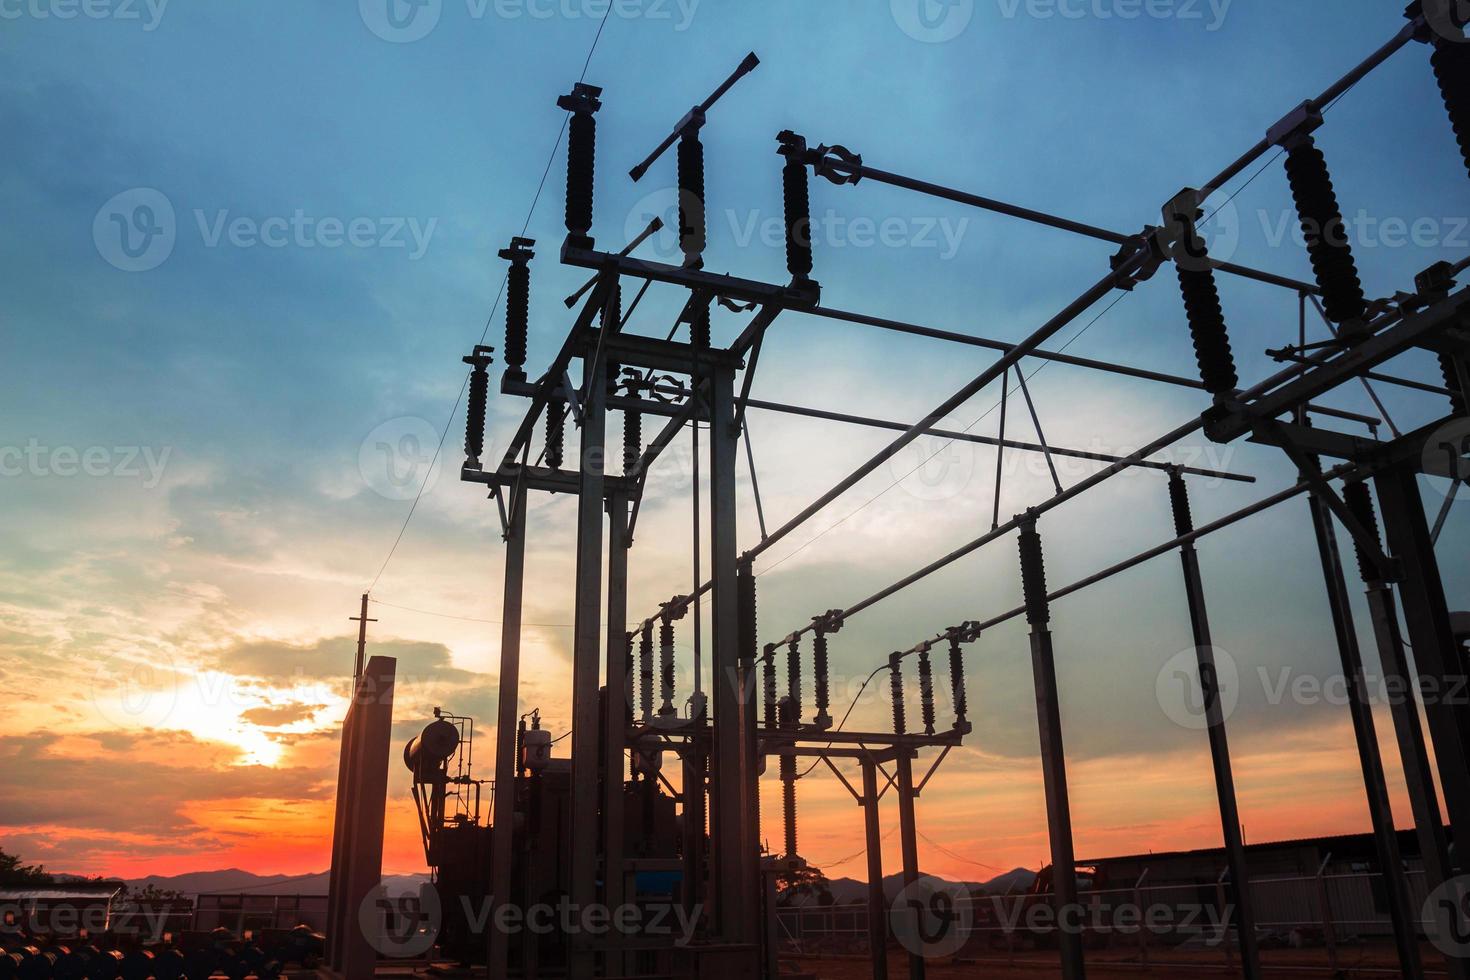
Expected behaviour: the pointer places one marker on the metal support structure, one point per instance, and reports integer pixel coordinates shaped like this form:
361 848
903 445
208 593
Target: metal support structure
908 832
1209 680
507 718
586 651
617 713
1385 836
877 907
1436 654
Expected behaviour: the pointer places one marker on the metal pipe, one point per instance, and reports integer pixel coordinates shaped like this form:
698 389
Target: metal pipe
908 832
503 807
617 713
877 924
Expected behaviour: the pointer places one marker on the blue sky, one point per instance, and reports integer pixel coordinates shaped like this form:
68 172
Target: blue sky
261 379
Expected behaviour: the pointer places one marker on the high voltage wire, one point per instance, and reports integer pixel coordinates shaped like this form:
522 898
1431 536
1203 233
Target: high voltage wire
550 159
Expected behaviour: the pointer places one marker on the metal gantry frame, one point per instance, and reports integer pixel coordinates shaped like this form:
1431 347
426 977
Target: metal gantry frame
723 743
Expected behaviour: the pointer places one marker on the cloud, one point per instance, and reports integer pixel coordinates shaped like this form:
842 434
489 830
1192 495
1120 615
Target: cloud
280 715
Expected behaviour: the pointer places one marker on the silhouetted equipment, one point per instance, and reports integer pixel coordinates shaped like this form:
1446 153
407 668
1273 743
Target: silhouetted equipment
517 304
698 844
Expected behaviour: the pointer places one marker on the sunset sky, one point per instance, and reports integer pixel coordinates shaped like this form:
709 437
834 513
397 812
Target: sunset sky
210 443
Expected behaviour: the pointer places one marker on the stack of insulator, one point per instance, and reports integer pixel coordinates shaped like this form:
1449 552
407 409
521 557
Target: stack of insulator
517 314
895 680
555 433
474 417
746 610
1179 503
796 202
1325 232
793 679
957 680
1451 372
1451 62
699 326
691 199
645 672
1033 578
768 685
926 690
1360 503
788 783
1202 301
821 673
581 160
666 666
632 441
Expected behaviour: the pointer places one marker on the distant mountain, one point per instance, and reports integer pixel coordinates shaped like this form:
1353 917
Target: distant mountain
233 880
850 891
1017 879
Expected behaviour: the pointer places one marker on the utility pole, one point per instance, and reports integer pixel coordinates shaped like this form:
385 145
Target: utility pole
361 620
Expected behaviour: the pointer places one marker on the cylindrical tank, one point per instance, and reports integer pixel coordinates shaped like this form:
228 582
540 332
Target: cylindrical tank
535 749
431 747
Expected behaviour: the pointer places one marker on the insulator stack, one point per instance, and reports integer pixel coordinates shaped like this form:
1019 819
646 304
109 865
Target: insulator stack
517 303
1201 298
581 160
1360 502
666 667
957 680
793 678
632 441
796 200
768 685
1179 502
895 682
556 421
926 690
821 675
1033 578
474 416
1325 232
1451 62
645 672
699 327
1451 373
788 783
745 607
691 199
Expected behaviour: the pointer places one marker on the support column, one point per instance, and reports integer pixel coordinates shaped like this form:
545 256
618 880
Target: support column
908 832
1209 680
616 717
1436 655
1405 918
877 923
502 849
692 822
732 851
586 651
1053 756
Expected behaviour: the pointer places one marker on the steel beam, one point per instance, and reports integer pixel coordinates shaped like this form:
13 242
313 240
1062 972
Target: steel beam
586 651
877 907
1380 811
615 717
1437 655
908 832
